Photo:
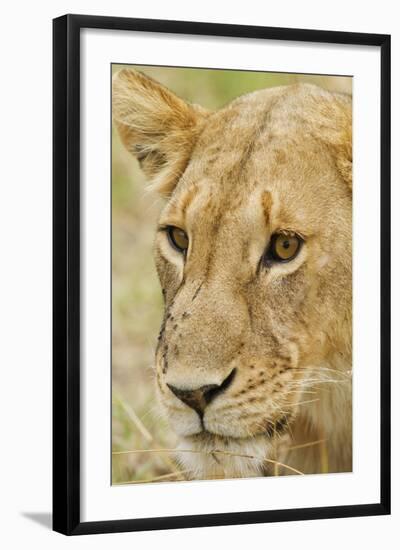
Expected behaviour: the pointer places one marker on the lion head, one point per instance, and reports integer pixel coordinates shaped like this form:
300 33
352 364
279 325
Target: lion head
254 252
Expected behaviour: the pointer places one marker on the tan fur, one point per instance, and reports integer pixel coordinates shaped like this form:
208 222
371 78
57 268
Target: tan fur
273 160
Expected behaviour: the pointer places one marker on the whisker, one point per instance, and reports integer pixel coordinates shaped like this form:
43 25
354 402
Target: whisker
290 392
302 403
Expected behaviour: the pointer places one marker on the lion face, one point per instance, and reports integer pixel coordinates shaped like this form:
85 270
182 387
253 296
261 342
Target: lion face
253 252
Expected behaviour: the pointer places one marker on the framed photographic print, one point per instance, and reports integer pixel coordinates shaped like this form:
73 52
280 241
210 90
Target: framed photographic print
221 274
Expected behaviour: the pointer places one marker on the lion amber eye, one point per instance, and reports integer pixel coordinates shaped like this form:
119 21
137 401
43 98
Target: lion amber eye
285 247
178 238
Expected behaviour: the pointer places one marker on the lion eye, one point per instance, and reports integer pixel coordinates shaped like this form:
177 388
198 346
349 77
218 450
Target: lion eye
178 238
285 247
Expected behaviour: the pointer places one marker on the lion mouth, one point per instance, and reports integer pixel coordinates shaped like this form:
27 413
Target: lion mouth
273 429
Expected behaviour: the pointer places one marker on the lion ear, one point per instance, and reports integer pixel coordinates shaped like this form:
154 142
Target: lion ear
344 145
339 135
330 115
156 126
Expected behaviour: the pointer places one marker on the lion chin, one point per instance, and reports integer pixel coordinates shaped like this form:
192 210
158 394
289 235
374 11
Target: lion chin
208 456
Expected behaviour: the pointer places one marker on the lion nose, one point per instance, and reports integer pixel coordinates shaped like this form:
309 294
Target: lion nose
199 398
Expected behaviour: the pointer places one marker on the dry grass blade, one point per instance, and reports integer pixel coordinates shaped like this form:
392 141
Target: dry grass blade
277 463
154 479
304 445
134 418
144 431
215 451
323 450
275 449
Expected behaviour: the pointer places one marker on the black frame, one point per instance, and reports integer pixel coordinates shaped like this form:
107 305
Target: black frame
66 273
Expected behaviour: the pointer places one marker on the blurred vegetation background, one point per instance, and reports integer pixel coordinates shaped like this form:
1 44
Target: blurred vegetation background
136 295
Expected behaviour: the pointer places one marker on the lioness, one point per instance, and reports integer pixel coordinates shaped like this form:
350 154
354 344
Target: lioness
254 254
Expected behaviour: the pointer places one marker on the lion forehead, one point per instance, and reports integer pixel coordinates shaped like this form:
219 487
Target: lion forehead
283 140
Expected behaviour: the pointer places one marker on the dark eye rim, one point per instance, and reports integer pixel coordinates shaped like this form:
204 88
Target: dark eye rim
169 229
272 257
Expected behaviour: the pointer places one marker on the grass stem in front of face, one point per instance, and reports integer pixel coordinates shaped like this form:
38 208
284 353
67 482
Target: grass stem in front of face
214 451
